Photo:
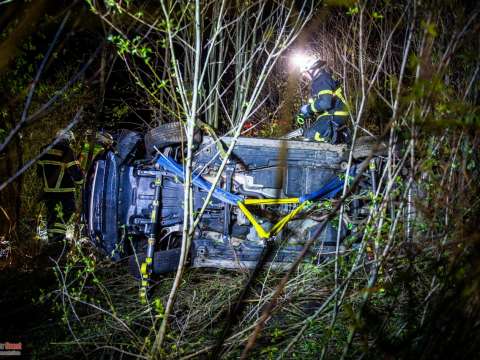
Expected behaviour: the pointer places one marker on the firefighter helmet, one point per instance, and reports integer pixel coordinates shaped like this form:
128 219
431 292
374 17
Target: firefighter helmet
66 135
315 67
104 138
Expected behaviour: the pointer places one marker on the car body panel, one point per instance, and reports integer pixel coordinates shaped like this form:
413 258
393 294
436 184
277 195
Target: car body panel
122 193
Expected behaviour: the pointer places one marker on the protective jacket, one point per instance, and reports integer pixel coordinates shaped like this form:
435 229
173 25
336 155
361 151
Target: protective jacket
60 172
326 97
59 169
328 106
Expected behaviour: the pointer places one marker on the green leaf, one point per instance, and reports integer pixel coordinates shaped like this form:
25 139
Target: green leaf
431 28
352 10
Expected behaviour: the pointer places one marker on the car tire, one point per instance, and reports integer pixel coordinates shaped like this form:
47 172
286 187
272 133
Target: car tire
164 135
365 145
168 135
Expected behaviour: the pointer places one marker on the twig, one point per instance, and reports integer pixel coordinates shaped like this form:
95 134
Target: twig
271 305
188 198
24 117
36 158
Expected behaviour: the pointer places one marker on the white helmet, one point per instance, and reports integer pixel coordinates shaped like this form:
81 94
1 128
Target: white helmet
104 138
314 68
66 135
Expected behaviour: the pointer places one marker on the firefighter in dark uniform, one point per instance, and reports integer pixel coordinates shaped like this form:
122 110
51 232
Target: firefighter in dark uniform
327 106
61 174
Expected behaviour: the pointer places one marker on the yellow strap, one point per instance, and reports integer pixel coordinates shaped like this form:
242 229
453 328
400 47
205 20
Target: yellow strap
71 163
45 181
279 225
318 137
325 92
262 233
58 190
270 201
51 162
59 163
63 166
60 177
143 268
336 113
55 152
56 231
338 93
312 105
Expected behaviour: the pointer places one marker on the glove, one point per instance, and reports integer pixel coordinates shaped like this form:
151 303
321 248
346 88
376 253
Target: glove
303 113
305 110
300 119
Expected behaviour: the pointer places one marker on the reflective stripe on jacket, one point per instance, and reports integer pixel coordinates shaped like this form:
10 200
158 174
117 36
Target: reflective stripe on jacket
59 169
326 97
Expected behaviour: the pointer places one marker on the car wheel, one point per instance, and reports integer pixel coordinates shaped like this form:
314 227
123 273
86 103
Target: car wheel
364 146
164 135
167 135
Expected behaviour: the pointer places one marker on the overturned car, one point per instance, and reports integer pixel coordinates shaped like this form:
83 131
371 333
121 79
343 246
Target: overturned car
269 188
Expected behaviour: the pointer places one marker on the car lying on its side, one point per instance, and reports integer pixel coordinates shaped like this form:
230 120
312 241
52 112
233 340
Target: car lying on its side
275 189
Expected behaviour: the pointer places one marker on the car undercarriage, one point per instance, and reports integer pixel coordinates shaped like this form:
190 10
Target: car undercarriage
270 190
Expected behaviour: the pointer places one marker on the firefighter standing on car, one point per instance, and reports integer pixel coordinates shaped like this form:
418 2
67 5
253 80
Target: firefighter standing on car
61 174
327 106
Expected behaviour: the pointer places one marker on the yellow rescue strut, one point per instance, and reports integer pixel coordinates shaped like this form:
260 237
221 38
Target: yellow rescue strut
281 223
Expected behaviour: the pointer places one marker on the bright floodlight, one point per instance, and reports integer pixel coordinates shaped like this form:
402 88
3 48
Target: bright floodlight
301 61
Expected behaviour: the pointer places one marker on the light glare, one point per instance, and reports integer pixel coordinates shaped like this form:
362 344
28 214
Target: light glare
302 61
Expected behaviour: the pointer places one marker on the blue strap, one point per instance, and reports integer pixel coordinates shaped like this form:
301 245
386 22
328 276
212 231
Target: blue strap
329 190
171 165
